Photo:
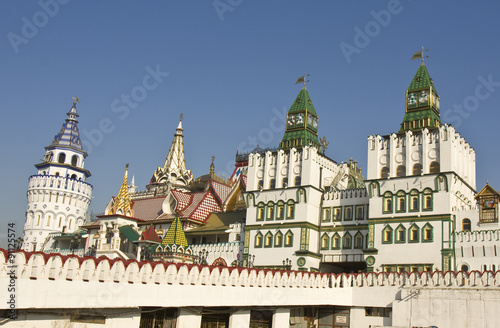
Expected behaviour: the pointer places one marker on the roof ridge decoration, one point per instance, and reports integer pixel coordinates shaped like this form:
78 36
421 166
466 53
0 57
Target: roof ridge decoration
302 123
69 136
122 203
422 101
174 169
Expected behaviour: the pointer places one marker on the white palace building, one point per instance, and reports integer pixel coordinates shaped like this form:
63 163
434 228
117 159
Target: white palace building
292 239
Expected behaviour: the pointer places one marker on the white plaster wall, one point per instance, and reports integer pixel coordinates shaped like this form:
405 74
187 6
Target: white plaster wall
447 308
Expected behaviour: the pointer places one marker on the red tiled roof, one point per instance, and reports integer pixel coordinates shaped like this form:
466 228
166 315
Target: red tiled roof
151 235
221 190
148 209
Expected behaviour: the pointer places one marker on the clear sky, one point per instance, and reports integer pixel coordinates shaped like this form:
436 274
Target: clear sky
230 67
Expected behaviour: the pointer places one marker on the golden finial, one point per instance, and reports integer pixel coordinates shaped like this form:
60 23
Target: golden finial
75 100
181 116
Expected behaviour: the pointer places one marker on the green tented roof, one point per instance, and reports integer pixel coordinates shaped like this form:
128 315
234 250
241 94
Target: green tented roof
303 102
129 233
421 80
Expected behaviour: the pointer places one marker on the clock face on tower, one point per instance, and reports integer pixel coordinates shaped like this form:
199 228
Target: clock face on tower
300 118
424 97
412 98
291 120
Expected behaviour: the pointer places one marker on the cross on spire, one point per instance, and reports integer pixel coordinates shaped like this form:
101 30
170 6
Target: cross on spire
75 100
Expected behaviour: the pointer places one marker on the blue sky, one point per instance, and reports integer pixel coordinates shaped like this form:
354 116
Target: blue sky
230 67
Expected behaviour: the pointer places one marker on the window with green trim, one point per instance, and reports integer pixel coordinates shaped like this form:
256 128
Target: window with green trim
290 210
337 213
260 212
327 214
414 201
401 202
427 200
400 234
258 240
270 211
347 241
336 241
387 203
360 212
387 235
358 240
325 241
268 239
289 239
280 211
278 239
413 234
348 213
427 233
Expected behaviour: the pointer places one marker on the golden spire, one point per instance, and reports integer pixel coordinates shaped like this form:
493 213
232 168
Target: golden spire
122 203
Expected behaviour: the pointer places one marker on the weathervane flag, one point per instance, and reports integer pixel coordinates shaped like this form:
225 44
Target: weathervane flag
416 55
300 80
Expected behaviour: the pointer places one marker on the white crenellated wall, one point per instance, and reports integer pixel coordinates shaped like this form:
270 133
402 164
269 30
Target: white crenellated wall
443 145
55 284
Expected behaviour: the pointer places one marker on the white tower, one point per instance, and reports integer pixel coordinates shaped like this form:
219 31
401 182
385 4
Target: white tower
58 196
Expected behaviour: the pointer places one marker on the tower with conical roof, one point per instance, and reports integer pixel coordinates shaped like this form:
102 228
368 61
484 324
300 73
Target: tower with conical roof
420 179
422 103
58 195
302 123
174 170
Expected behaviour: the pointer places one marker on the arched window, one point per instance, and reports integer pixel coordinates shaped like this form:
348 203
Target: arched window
297 181
260 184
387 203
417 169
280 210
272 184
61 158
73 176
466 225
384 173
428 199
434 167
414 200
270 211
74 160
401 204
284 182
290 212
57 174
260 211
401 171
464 267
